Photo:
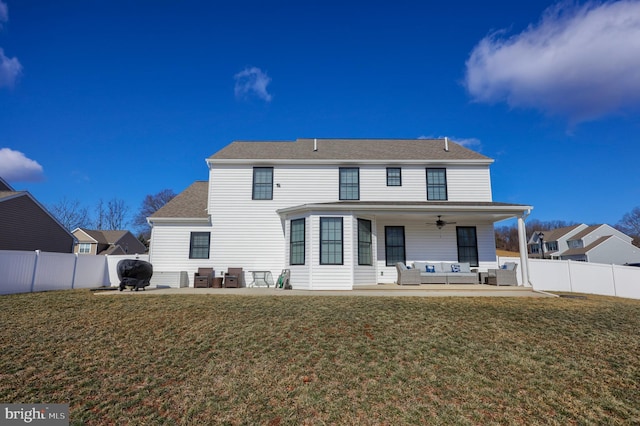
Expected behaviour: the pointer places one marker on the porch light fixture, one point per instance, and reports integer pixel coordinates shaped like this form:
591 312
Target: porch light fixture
541 237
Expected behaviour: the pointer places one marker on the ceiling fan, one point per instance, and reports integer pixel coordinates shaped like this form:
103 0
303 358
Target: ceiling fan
441 223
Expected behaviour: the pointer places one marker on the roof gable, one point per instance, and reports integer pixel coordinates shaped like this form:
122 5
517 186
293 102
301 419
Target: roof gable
190 203
349 149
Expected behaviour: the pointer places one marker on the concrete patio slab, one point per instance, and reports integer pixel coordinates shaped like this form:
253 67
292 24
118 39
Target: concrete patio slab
381 290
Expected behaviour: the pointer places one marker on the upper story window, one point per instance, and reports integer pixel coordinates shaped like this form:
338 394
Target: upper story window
436 184
84 248
262 183
575 244
349 183
199 246
394 176
551 246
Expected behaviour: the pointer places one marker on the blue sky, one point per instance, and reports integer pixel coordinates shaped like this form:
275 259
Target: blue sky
120 99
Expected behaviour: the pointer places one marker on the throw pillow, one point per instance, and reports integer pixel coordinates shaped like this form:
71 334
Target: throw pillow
455 267
431 268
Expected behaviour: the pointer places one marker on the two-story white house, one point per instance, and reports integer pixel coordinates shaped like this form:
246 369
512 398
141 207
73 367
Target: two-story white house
337 213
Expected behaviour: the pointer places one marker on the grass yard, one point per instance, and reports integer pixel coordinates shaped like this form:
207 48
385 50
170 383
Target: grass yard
211 359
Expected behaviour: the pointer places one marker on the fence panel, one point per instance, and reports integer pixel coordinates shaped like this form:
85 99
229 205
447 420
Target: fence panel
16 271
54 271
91 271
592 278
551 275
627 281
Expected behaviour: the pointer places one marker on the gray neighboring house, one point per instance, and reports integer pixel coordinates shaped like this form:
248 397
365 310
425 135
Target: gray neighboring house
98 242
26 225
597 244
555 241
601 244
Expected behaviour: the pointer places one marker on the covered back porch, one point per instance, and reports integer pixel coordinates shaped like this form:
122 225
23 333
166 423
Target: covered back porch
373 236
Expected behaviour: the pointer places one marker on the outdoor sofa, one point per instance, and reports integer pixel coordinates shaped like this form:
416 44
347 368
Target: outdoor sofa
436 273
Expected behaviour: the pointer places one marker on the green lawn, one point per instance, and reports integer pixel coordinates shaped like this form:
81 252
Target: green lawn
211 359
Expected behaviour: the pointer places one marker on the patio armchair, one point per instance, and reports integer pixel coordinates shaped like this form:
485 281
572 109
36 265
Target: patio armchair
203 278
407 276
233 278
503 276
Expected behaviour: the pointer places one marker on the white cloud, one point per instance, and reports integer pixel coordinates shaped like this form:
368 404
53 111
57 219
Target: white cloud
4 13
15 166
582 62
252 81
10 69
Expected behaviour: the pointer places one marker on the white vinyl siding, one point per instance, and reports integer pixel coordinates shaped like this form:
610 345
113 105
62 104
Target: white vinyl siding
249 234
170 249
464 183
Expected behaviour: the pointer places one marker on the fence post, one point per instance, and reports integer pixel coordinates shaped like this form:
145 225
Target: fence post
75 268
570 280
613 277
35 272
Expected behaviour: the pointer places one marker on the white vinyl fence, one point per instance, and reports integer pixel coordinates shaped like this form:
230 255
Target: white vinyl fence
28 271
582 277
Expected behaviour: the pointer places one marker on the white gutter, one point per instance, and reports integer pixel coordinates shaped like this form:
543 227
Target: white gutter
331 161
203 220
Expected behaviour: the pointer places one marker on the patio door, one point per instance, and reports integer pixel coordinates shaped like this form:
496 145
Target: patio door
467 244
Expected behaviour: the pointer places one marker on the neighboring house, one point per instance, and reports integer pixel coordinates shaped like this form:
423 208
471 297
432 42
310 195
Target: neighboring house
601 244
27 225
596 243
92 241
337 213
555 241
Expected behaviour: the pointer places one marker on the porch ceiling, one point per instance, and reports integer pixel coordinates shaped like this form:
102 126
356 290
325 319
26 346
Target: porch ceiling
451 211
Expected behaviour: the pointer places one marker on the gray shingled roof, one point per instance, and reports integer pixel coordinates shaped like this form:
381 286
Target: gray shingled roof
105 237
8 194
348 149
190 203
586 231
584 250
556 234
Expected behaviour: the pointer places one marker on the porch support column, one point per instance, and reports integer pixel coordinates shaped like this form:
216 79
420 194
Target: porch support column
524 259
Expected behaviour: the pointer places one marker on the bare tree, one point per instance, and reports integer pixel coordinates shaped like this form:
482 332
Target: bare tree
111 216
116 215
100 219
630 225
71 214
150 205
